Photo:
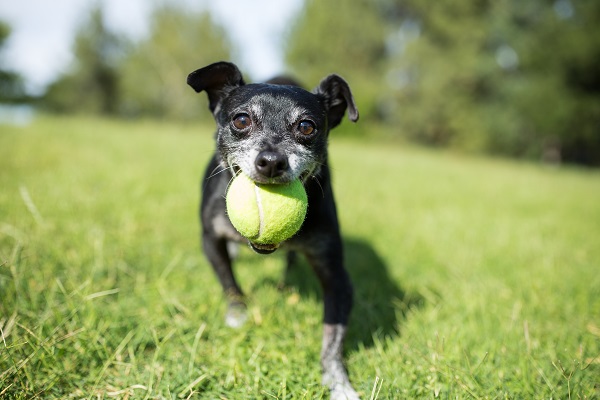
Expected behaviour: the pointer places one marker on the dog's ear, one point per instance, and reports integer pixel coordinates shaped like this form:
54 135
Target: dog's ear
217 80
338 97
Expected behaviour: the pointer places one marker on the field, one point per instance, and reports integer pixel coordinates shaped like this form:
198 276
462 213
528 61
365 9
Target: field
474 277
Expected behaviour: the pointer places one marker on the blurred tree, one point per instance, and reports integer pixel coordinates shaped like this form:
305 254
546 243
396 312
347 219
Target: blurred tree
507 77
91 85
346 38
12 88
439 75
154 73
501 76
563 63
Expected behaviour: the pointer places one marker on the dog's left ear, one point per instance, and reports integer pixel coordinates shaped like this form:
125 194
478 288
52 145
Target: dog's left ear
217 80
338 97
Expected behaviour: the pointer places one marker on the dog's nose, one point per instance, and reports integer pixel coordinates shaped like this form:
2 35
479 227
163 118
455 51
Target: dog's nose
271 164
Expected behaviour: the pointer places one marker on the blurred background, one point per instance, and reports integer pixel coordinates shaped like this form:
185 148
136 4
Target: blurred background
506 77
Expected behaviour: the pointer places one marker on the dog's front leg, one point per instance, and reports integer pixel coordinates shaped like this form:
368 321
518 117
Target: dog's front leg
337 296
334 372
218 255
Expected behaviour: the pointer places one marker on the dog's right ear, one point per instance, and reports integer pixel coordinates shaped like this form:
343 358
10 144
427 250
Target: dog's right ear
217 80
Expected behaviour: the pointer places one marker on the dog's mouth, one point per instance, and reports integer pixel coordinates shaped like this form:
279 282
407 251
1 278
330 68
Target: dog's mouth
263 248
282 180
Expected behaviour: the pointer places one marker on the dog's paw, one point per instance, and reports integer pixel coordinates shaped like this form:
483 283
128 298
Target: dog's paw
335 377
236 315
342 391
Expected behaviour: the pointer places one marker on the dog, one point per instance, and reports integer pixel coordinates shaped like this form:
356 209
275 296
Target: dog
276 133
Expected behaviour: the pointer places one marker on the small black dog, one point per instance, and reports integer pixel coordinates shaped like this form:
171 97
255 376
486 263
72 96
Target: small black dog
277 133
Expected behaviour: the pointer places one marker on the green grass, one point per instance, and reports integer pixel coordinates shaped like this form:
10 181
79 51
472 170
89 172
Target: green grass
474 278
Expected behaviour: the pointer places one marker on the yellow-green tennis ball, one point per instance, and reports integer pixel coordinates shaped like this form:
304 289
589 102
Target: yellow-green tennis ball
266 214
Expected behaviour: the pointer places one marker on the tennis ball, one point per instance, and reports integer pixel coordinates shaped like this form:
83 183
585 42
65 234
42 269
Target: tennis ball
266 214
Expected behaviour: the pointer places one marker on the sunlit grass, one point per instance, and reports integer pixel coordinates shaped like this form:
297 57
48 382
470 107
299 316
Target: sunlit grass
473 277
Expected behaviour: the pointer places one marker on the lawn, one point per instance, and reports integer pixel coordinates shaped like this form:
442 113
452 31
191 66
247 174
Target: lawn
474 277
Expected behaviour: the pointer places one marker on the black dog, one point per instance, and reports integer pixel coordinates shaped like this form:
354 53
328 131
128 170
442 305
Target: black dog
277 133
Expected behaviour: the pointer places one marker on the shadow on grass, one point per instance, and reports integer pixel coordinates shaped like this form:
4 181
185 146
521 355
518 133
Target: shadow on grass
380 304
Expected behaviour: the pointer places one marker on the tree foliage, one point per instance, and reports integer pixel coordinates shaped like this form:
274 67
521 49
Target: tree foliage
346 38
114 76
92 83
499 76
12 88
509 77
153 74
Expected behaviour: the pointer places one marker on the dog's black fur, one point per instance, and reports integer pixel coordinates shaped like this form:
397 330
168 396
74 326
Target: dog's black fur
275 133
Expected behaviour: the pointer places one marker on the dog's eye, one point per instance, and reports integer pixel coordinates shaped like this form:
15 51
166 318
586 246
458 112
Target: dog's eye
306 127
242 121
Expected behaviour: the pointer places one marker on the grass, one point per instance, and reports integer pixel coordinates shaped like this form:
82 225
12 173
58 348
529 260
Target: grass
474 278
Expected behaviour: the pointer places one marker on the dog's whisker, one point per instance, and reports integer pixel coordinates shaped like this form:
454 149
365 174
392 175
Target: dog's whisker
234 173
228 184
214 169
235 169
214 172
319 183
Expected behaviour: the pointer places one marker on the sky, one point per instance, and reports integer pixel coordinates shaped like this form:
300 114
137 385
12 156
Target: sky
41 40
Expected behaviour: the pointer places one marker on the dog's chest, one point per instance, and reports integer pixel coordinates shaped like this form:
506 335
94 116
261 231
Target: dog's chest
223 228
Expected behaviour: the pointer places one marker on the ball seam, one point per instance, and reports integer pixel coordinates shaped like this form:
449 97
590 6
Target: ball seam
261 217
